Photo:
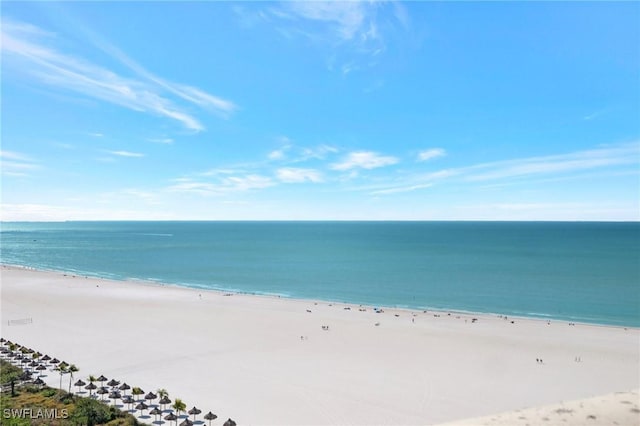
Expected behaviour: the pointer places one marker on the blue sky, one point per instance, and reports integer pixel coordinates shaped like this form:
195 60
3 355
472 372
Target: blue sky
320 111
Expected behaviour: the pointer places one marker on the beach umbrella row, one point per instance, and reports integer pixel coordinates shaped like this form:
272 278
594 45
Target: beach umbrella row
17 354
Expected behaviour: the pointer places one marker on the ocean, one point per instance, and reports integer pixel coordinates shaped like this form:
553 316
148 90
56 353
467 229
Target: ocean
582 272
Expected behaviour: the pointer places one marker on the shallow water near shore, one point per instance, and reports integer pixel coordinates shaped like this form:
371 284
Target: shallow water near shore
587 272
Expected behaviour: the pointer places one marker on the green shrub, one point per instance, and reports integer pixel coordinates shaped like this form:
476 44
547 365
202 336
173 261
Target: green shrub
49 392
90 412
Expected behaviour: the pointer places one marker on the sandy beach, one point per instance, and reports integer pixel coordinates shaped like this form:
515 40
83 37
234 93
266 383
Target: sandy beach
272 361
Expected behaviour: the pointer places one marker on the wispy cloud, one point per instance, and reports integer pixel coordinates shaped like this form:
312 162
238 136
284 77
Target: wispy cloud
519 171
401 189
296 175
556 164
226 185
126 154
16 164
429 154
364 160
354 31
347 20
165 141
28 48
594 115
319 152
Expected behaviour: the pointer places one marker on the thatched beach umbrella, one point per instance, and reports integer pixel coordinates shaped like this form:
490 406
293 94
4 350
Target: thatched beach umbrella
136 391
46 358
103 391
128 399
102 379
171 417
124 387
79 384
114 395
229 423
54 361
210 416
41 367
113 383
141 406
186 422
164 401
38 382
156 412
150 396
194 411
90 387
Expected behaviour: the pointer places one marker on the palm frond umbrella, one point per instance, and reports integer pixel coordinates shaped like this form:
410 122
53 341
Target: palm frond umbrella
141 406
186 422
91 387
54 361
103 391
171 417
124 387
79 384
46 358
229 423
164 401
113 383
156 412
114 395
41 367
210 416
194 411
137 391
128 399
150 396
38 382
102 379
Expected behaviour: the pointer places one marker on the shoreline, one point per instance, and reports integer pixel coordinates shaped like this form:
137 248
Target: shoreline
269 360
162 284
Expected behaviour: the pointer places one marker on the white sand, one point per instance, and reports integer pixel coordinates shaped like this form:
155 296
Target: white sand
242 356
620 408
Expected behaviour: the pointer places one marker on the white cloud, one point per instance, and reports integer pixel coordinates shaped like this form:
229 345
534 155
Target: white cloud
278 154
624 154
401 189
26 50
16 164
319 152
295 175
364 160
126 154
347 19
430 154
225 185
165 141
609 159
353 31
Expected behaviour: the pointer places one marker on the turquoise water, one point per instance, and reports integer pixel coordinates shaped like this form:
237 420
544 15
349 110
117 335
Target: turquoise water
586 272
